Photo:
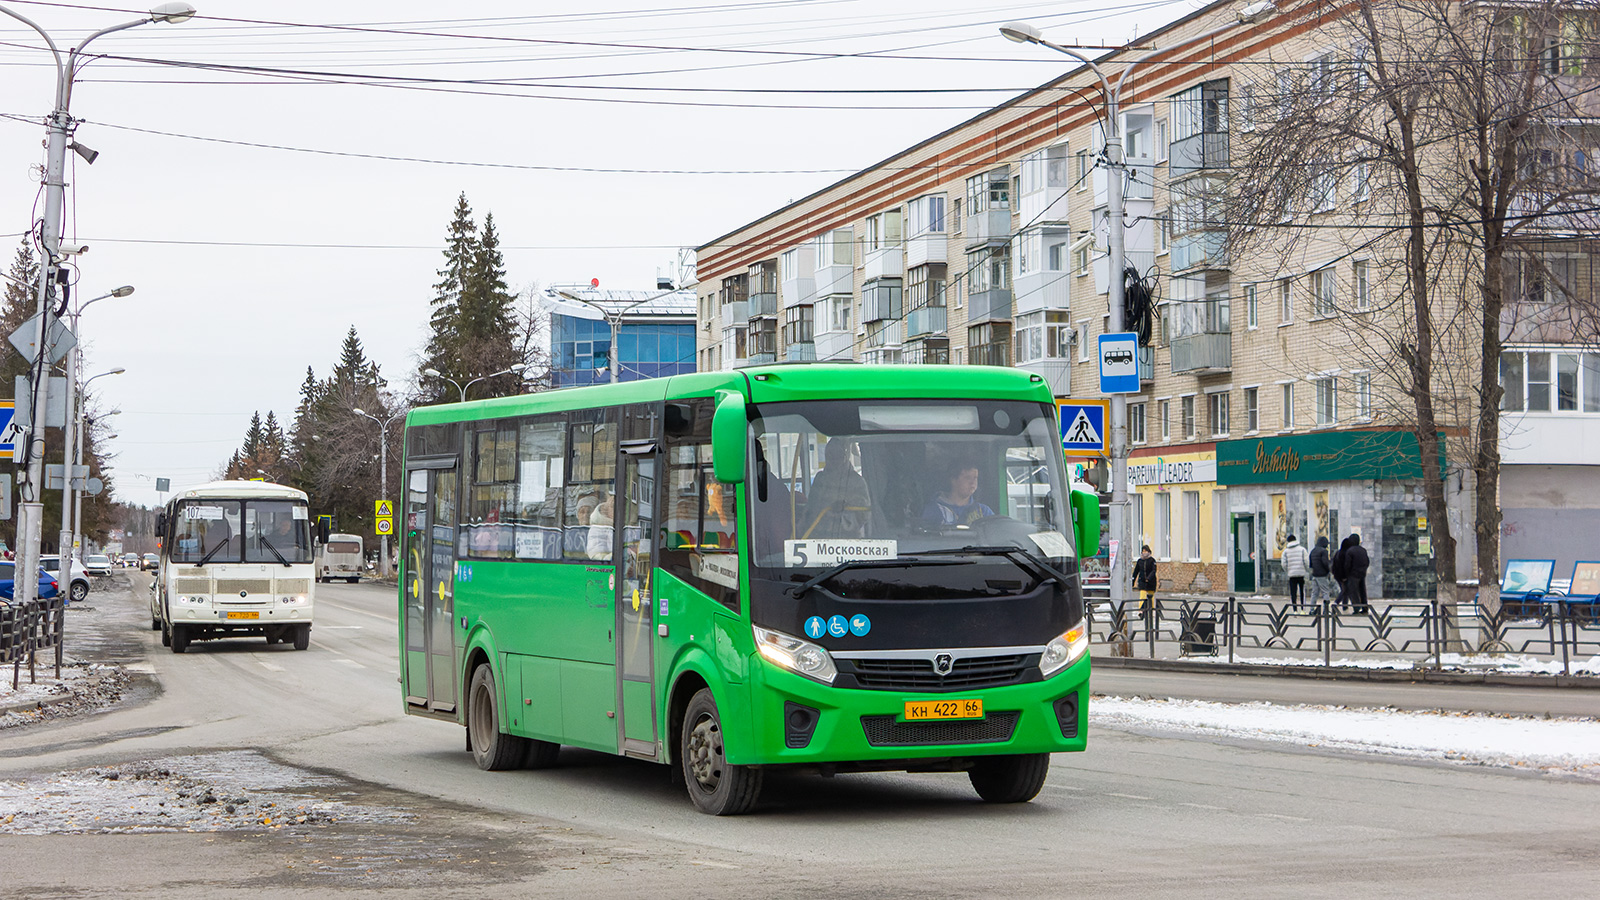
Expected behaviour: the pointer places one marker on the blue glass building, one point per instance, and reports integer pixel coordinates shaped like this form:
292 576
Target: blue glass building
656 338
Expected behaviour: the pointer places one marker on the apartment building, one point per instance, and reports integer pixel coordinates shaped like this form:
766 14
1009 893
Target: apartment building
1263 410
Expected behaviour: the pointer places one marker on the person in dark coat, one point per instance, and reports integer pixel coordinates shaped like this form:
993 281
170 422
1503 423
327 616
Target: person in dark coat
1144 579
1355 574
1321 562
1339 567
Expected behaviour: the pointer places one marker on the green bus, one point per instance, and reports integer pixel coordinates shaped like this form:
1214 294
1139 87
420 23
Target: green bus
821 567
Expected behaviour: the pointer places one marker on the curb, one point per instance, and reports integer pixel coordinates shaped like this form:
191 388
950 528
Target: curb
32 705
1425 676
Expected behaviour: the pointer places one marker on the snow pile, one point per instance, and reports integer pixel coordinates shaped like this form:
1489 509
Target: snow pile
1512 664
1556 746
82 686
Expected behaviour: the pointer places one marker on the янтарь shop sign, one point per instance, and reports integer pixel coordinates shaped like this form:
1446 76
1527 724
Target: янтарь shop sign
1329 456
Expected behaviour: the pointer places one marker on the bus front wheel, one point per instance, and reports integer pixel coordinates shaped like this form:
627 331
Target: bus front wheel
302 637
716 787
180 638
492 749
1010 779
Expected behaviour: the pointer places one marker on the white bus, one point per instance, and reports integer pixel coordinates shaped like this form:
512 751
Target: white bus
340 557
235 561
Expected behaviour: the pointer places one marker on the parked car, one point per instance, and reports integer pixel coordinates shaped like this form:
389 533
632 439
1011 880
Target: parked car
47 583
151 562
130 560
76 578
97 564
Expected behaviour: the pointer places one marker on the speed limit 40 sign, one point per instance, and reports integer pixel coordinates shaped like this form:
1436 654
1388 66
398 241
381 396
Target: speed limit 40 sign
385 525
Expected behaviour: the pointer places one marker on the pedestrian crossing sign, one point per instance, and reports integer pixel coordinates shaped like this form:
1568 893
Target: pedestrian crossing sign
1083 426
381 508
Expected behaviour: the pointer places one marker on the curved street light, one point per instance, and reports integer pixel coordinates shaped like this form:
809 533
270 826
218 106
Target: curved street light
435 373
58 130
383 476
1024 33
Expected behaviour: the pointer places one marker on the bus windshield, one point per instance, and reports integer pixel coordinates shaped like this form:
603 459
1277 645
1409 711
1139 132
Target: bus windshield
839 480
231 531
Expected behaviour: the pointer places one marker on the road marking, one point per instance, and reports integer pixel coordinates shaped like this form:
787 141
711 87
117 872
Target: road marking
334 627
1280 816
1129 796
270 667
143 668
714 865
1205 806
351 663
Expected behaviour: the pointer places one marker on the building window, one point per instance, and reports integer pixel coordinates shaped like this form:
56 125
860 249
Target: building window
1164 526
927 215
1288 406
1217 408
1080 261
991 190
925 286
1186 405
837 248
1361 182
1362 389
1043 335
1327 400
1191 525
1136 424
1219 525
1083 340
1162 140
1252 306
884 231
1082 176
1324 293
1245 106
1165 409
1252 410
1285 301
1361 274
839 312
989 344
797 325
989 269
1201 109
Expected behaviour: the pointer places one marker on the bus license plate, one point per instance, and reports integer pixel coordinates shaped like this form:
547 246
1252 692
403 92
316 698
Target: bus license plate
927 710
244 615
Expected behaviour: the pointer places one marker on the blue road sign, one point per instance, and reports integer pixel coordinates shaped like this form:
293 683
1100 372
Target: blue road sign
1119 363
8 410
1083 426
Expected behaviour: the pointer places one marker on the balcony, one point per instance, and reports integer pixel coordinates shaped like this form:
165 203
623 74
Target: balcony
837 345
992 226
1197 153
932 351
1147 364
994 353
1056 372
888 262
1137 184
988 306
799 291
1201 354
800 351
1142 260
1043 290
763 306
736 311
927 320
1202 249
927 248
881 300
834 279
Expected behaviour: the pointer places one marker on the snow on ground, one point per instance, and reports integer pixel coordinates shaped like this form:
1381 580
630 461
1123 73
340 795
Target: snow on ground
1554 746
81 686
1509 663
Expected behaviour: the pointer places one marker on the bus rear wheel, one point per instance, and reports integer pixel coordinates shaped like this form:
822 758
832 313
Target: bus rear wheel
492 749
1010 779
716 787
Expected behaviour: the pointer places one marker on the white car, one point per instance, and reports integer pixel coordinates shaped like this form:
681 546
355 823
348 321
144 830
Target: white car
76 586
97 565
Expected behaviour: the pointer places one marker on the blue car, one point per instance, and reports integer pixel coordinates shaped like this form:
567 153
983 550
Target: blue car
47 583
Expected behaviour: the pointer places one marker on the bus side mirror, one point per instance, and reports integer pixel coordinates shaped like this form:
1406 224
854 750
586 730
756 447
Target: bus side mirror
728 427
161 524
1085 521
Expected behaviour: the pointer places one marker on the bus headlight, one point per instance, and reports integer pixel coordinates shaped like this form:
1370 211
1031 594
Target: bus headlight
293 601
798 656
1064 650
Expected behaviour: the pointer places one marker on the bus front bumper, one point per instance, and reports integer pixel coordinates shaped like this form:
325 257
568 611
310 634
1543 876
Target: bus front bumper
796 720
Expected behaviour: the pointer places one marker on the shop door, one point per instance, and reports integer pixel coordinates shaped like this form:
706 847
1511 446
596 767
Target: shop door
1244 553
429 561
635 534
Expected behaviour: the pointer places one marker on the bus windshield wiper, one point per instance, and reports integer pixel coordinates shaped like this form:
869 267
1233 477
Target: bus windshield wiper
902 562
274 550
212 552
1032 564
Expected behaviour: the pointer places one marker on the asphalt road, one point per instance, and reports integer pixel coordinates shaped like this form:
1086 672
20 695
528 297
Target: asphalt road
1136 814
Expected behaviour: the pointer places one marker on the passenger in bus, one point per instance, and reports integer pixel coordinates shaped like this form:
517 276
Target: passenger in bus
838 504
959 505
600 528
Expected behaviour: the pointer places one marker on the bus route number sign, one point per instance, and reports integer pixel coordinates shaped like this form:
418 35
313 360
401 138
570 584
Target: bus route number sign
929 710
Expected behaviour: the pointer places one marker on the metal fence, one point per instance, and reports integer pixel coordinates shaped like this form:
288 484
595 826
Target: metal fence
26 629
1420 630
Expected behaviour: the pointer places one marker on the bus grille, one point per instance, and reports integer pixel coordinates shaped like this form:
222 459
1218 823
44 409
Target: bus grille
886 731
918 674
248 585
191 585
294 585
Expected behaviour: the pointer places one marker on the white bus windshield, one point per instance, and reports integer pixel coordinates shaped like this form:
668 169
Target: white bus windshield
232 531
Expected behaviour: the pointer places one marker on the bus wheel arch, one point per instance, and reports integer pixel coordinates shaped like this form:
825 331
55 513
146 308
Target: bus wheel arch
492 748
683 690
717 787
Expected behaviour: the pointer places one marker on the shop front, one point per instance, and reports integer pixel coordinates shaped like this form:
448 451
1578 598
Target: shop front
1179 511
1330 484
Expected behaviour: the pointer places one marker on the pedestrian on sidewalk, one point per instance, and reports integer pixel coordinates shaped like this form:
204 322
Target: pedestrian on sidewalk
1321 565
1295 565
1340 568
1144 580
1356 562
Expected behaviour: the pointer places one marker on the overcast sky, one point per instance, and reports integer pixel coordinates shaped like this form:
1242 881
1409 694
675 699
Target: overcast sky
250 262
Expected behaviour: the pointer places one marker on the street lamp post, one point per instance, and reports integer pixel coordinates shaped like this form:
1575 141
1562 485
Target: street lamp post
463 387
383 472
613 319
72 456
1022 32
73 436
58 130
